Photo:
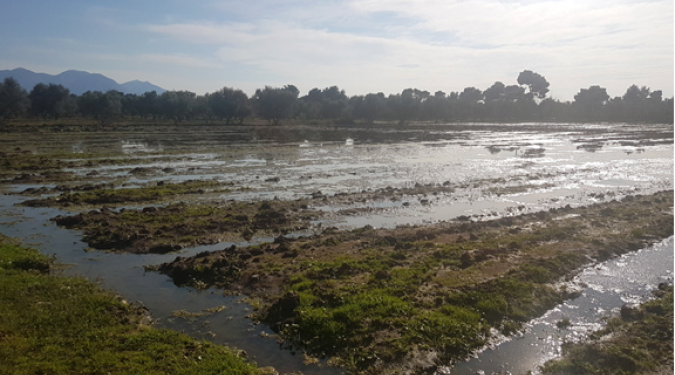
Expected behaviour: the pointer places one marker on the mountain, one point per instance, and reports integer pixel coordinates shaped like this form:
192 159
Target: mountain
78 82
139 87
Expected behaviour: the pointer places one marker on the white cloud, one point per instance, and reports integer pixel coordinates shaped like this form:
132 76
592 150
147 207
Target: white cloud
179 60
388 45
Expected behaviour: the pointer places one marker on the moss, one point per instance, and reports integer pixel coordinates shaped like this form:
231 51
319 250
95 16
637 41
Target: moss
60 325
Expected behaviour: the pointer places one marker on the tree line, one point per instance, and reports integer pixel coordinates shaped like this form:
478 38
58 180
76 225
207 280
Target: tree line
524 100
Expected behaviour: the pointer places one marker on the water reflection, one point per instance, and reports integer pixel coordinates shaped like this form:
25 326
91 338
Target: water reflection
606 287
494 149
590 147
540 167
125 274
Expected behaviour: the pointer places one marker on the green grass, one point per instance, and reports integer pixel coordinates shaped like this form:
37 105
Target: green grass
62 325
346 306
370 299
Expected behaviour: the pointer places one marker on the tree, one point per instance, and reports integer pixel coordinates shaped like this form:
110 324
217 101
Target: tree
656 96
468 103
407 105
494 92
333 102
131 105
44 100
553 110
594 95
471 95
67 107
537 84
201 108
177 105
13 100
636 95
373 107
329 103
636 106
436 107
275 104
591 101
149 105
314 95
229 104
514 93
105 108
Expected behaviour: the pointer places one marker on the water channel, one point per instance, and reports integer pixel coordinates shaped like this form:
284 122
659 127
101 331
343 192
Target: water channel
605 288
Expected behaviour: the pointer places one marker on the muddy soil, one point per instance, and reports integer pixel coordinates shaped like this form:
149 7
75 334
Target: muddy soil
357 261
202 217
83 196
163 229
430 270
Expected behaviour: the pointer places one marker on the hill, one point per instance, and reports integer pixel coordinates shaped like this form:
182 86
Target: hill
78 82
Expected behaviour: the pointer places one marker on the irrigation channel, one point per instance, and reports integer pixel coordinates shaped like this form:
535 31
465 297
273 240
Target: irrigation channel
495 171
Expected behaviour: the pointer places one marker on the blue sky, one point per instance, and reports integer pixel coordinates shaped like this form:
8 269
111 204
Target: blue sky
361 46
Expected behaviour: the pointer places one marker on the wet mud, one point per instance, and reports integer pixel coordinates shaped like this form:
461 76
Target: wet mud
427 281
106 194
377 248
169 228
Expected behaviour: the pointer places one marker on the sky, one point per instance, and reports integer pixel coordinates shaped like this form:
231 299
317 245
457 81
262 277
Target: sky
362 46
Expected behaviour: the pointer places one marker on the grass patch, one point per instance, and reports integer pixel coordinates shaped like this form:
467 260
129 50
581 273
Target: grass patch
638 342
373 298
60 325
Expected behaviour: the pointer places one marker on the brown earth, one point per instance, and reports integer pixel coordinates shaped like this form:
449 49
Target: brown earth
171 228
463 265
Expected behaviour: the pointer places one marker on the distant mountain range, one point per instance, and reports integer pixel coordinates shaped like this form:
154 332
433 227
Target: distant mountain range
78 82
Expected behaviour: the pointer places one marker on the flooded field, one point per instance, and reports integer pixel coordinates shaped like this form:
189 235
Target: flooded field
338 179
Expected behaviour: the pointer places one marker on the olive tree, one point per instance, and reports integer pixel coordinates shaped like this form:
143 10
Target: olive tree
229 104
275 104
105 108
45 99
13 100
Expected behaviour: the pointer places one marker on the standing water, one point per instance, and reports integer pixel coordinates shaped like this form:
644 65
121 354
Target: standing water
494 171
606 287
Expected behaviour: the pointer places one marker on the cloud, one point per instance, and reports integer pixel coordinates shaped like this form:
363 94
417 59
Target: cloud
537 23
204 33
387 45
318 56
361 45
179 60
